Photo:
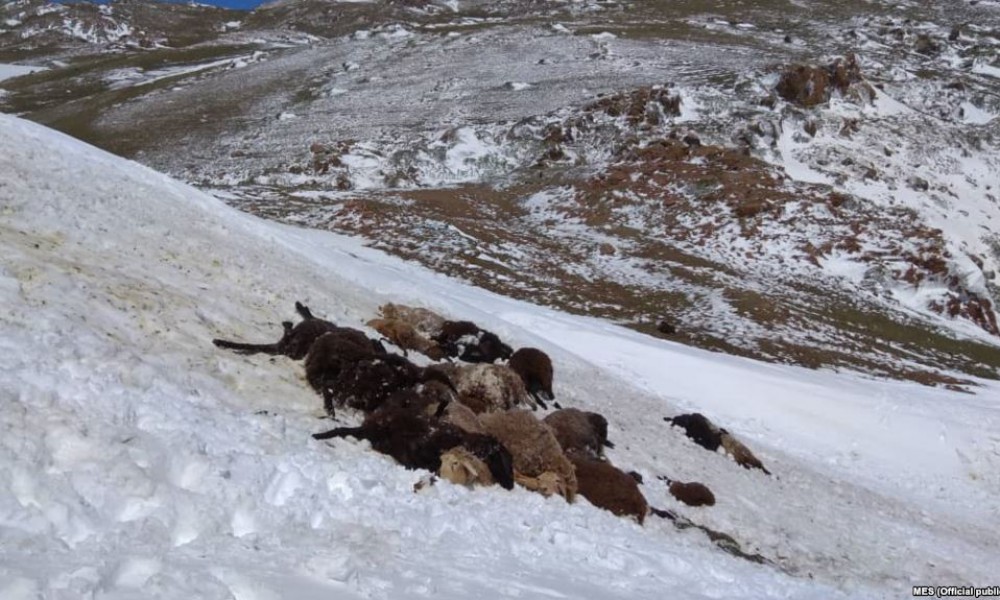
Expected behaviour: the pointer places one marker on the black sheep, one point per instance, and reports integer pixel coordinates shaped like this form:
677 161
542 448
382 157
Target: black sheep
466 341
294 343
417 441
697 427
366 385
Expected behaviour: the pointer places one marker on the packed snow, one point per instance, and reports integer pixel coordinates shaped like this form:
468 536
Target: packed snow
139 461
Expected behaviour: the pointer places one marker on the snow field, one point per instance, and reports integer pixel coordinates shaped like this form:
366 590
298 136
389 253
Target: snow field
139 461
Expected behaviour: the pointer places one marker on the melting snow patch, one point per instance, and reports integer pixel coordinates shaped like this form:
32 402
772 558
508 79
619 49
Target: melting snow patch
974 115
985 69
10 71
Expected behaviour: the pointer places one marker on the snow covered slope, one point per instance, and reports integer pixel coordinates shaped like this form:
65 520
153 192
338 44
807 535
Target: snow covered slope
139 461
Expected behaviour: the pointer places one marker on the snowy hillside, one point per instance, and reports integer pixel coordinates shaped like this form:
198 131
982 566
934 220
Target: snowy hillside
139 461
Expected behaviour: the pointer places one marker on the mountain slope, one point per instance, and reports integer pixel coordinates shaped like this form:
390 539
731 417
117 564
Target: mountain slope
630 160
140 461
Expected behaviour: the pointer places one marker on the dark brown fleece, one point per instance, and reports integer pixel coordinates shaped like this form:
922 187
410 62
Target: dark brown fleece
608 487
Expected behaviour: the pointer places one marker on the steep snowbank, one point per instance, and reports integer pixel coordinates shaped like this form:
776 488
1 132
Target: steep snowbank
138 461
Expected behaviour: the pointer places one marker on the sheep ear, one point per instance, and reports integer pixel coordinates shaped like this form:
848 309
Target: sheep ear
608 444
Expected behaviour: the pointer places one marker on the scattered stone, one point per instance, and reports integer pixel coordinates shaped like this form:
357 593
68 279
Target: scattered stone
645 105
926 45
918 183
666 327
804 85
808 85
692 140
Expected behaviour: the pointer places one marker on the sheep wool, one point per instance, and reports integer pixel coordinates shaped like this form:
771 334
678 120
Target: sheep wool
605 486
487 387
740 453
579 431
425 321
461 467
534 448
692 494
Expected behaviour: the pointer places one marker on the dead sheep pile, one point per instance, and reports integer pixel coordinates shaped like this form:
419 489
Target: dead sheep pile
469 423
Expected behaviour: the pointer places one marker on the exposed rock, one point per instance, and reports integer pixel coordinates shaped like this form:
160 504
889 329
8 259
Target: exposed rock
804 85
808 85
666 327
927 45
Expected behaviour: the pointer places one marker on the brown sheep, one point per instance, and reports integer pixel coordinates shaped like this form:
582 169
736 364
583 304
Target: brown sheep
462 467
486 388
418 441
608 487
295 342
461 416
580 431
546 484
535 369
692 494
535 450
426 322
740 453
405 336
467 342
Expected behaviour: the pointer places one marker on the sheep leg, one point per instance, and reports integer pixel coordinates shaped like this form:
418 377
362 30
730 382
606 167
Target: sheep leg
355 432
328 403
304 311
247 348
539 399
663 514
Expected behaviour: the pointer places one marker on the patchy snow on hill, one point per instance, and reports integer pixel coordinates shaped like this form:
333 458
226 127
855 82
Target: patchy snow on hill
139 461
8 71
